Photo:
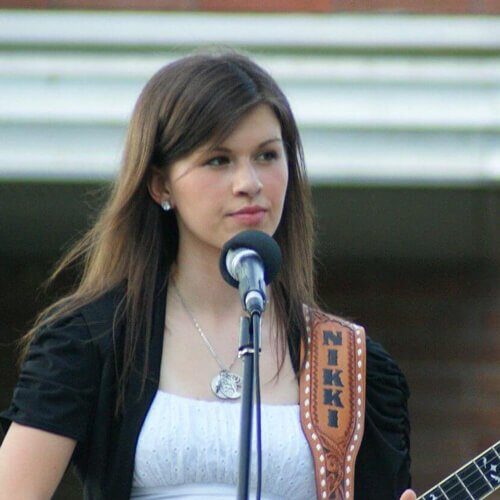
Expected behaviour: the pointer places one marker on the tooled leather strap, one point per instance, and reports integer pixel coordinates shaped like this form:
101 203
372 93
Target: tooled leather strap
332 400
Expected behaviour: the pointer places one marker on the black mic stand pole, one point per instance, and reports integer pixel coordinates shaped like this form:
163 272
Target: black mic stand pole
249 338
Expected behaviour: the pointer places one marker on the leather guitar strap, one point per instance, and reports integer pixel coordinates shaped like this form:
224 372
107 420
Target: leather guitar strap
332 400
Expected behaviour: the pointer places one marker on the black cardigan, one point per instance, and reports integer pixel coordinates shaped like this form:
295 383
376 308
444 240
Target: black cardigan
67 386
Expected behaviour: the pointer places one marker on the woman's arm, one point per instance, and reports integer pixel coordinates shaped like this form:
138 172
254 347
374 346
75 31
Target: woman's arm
32 462
409 495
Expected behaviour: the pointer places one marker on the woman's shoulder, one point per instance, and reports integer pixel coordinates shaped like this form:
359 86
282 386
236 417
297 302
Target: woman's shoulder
386 384
387 395
92 322
100 312
379 360
383 370
383 463
315 314
62 367
385 449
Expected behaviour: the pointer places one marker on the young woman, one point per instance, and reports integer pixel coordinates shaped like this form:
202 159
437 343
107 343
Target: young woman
117 377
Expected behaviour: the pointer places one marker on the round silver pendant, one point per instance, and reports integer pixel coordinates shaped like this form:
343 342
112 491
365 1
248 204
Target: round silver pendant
226 385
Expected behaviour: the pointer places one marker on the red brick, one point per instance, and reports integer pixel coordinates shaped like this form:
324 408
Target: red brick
489 6
439 454
422 6
488 380
493 320
266 5
125 4
24 4
410 6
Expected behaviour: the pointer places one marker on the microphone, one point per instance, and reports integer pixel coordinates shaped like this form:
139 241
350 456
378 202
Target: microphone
249 261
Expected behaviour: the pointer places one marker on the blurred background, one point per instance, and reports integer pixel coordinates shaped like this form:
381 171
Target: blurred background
398 103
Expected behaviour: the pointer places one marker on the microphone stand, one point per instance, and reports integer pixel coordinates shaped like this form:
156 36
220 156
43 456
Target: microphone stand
249 338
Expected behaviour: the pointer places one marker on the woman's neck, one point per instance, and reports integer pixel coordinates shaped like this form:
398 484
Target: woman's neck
197 276
202 292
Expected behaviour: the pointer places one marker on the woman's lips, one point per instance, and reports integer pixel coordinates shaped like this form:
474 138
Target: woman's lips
250 217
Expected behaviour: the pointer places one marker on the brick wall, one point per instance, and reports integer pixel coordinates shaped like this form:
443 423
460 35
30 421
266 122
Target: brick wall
439 320
441 323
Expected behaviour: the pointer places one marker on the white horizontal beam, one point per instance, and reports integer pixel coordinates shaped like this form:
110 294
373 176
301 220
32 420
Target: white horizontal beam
81 154
142 29
321 170
378 118
363 107
312 69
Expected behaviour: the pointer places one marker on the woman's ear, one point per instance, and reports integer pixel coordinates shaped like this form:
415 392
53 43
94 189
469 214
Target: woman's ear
158 186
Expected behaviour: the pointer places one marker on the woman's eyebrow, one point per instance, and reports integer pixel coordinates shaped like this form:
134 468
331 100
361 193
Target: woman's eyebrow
261 145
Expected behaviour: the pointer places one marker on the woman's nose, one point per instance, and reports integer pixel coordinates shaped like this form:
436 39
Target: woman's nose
246 179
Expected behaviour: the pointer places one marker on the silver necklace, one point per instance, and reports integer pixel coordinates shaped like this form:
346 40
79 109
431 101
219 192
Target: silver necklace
226 384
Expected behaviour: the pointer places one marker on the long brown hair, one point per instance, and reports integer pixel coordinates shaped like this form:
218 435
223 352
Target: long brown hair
186 104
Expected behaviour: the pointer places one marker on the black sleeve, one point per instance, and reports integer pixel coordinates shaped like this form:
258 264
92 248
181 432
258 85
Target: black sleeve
383 463
58 381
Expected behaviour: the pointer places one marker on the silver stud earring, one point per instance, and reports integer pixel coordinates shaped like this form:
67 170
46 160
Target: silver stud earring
166 205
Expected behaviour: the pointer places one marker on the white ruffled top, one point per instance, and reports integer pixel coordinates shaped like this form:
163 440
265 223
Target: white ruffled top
188 449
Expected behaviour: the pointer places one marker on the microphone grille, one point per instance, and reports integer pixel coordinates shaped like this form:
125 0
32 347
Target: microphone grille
260 242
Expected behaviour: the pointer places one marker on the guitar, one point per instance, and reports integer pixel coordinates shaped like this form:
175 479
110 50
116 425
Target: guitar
477 479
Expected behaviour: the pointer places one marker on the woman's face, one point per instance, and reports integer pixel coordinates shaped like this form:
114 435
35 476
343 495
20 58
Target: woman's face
241 184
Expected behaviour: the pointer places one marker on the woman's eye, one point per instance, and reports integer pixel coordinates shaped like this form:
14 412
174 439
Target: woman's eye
217 161
268 156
